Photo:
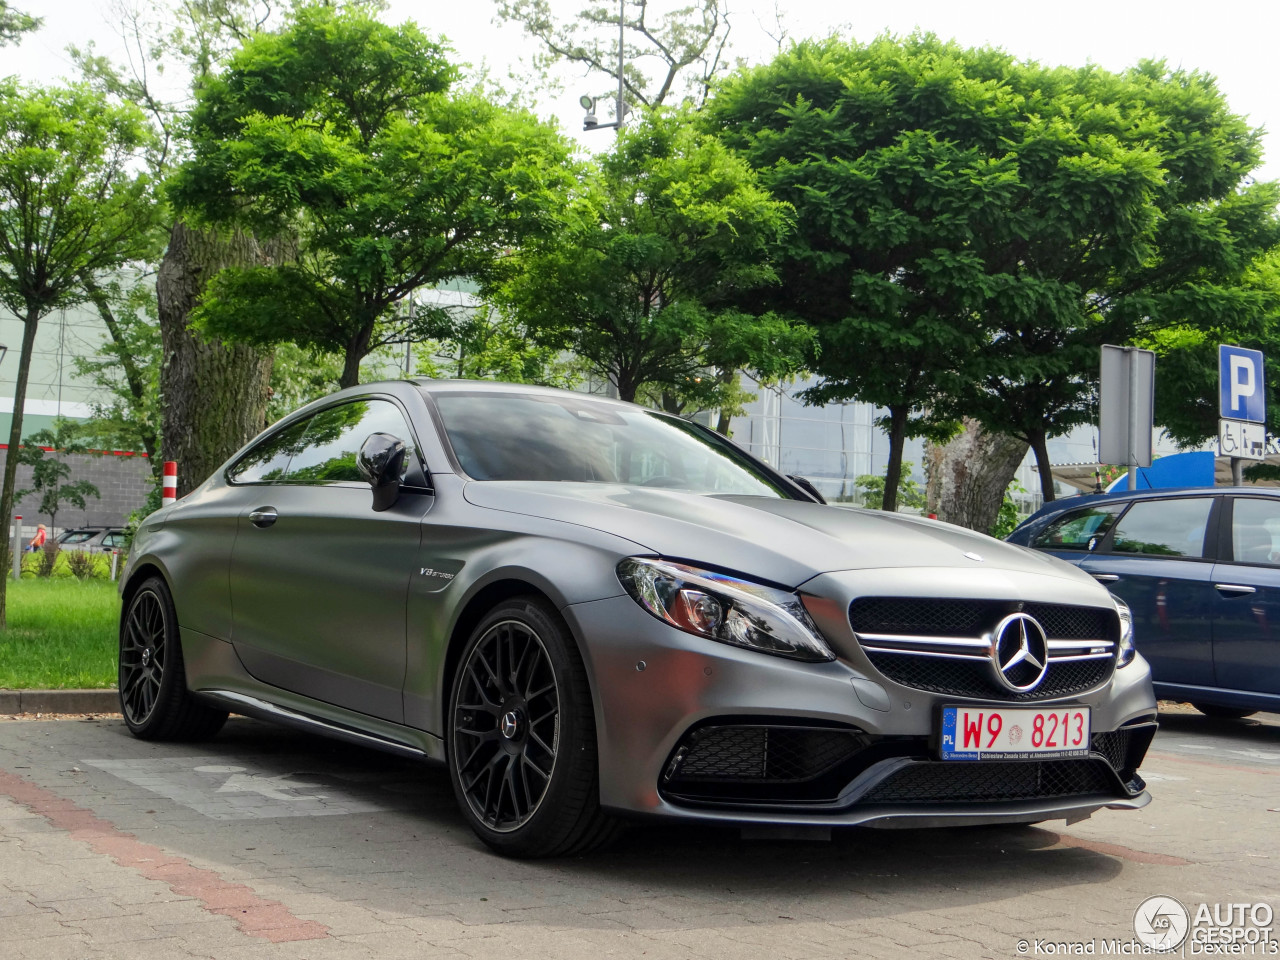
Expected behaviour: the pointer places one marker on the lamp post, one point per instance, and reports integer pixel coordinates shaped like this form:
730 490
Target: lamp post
588 103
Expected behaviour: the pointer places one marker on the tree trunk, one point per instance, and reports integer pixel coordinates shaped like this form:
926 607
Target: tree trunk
968 476
213 396
1040 444
29 325
893 473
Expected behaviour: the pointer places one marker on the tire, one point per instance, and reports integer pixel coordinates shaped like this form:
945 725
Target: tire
1223 713
521 736
151 676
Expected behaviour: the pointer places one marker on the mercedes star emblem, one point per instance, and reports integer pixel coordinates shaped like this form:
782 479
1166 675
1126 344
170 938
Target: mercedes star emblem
1019 652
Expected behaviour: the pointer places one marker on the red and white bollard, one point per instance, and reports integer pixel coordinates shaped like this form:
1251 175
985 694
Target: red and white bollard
169 483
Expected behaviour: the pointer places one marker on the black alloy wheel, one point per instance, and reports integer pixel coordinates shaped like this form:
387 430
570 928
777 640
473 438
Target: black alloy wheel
521 741
152 682
507 725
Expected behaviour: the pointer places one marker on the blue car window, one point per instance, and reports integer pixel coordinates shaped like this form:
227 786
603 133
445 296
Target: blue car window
1255 531
1164 528
1079 529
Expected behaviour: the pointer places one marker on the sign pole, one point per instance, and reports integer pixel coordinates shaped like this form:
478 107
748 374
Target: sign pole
1133 417
17 547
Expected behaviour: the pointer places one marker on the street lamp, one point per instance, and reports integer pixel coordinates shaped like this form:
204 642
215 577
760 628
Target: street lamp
588 103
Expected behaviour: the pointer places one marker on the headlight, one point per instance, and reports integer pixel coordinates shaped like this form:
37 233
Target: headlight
727 609
1127 651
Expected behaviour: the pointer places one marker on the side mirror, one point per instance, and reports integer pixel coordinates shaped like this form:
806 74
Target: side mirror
381 462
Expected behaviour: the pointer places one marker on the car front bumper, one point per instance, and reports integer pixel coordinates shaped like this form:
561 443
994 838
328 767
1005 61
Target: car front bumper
655 686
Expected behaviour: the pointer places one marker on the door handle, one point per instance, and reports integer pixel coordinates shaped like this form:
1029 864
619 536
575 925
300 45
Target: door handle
263 517
1234 589
1105 577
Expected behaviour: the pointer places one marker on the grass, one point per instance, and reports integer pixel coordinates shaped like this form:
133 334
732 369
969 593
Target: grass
61 635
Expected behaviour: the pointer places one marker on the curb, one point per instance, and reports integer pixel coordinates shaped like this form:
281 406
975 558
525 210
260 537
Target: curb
59 701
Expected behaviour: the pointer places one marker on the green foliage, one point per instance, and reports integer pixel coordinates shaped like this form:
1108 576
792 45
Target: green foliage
48 473
70 203
910 494
125 371
14 23
337 130
1248 315
666 240
970 227
1008 518
484 344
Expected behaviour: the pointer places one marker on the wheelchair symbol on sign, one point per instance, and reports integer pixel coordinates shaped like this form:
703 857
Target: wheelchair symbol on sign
1228 441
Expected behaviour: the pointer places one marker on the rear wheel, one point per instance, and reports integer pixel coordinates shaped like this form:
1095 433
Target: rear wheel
1223 713
154 697
522 736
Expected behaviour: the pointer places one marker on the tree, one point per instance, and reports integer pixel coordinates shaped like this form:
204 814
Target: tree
880 263
14 23
484 344
667 234
973 227
909 493
126 373
687 44
48 472
213 396
1145 220
338 128
71 202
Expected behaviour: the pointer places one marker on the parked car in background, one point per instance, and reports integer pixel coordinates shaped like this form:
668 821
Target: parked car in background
1200 569
92 539
586 608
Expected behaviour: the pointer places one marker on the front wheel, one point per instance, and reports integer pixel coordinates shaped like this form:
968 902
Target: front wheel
1223 713
522 736
152 679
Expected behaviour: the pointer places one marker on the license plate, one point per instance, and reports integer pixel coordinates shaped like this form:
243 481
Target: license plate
997 733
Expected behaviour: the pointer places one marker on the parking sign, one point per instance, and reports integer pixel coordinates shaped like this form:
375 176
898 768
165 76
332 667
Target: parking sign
1241 396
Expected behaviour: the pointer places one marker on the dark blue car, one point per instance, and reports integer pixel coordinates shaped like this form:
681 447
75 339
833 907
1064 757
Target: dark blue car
1200 568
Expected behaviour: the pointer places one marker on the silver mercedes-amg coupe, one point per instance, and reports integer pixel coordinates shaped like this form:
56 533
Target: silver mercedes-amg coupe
591 611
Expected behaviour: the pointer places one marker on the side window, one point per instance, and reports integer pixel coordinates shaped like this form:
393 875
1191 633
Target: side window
1255 531
268 461
1164 528
334 436
1079 530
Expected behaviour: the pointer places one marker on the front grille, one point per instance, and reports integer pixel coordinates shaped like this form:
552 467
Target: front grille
985 782
920 643
1113 745
1126 747
973 678
761 754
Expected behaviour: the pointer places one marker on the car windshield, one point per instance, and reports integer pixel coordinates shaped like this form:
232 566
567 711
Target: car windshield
540 437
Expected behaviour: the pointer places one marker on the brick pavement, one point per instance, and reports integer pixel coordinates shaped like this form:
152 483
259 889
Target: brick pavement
114 848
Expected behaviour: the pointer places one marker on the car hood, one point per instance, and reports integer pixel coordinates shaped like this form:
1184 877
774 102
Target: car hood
786 541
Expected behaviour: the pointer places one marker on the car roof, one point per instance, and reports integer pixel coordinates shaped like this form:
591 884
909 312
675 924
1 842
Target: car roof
429 385
1058 507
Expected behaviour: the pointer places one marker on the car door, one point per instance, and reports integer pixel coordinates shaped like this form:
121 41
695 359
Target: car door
1246 619
1158 558
319 580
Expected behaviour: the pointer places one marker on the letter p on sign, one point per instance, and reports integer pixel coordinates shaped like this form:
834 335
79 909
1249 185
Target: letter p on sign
1241 394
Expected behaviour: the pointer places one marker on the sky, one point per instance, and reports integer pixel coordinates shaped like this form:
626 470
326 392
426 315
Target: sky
1234 40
